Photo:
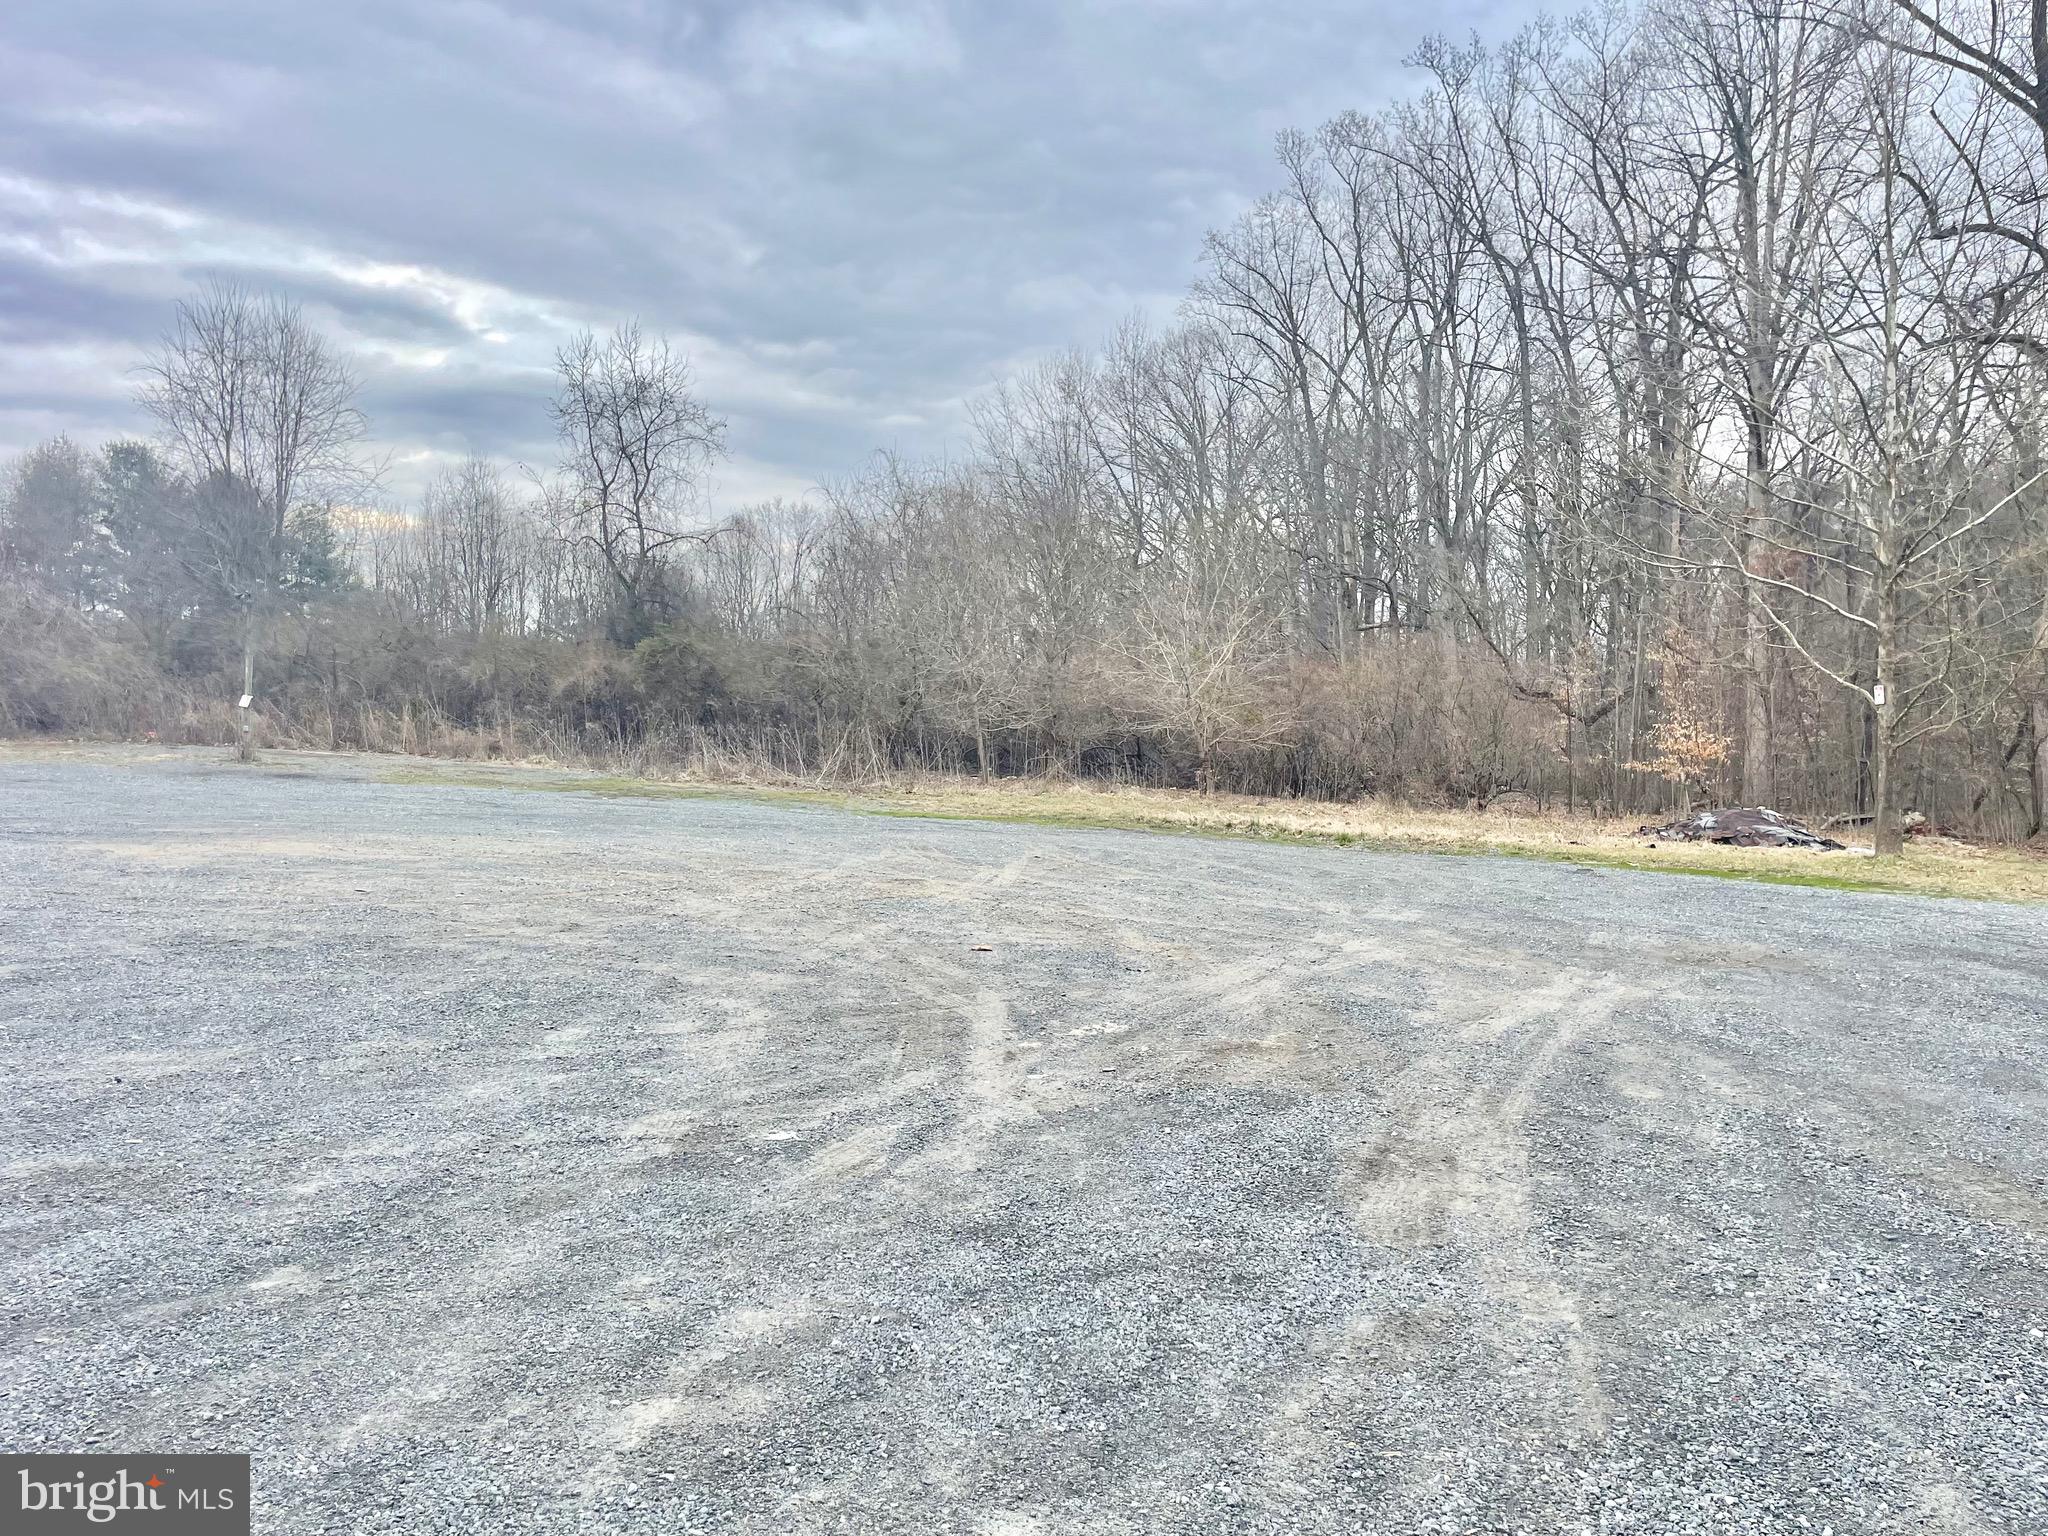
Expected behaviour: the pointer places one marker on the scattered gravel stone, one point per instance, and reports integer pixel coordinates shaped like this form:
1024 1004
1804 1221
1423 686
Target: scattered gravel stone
487 1160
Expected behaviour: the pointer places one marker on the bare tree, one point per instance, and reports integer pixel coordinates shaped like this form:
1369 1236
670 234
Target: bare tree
1903 489
636 442
1995 123
1197 662
1764 96
1999 126
262 416
477 549
755 577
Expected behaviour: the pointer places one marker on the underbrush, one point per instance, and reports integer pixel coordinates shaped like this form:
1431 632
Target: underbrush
62 675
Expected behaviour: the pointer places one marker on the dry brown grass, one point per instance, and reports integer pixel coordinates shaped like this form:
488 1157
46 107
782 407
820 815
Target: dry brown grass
1930 866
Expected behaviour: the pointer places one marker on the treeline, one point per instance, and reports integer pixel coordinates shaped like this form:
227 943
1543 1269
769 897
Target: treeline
1649 411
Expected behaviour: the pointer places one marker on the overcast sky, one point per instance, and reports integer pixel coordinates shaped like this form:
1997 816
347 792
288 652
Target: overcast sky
852 216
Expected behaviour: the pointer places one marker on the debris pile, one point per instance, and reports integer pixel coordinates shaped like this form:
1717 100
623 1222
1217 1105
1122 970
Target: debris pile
1741 827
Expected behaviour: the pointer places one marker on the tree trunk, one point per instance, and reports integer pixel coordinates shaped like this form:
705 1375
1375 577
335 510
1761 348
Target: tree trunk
1885 820
245 749
1756 661
1884 814
2037 767
1571 773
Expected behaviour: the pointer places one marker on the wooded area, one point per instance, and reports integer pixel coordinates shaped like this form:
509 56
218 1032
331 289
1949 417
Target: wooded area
1650 411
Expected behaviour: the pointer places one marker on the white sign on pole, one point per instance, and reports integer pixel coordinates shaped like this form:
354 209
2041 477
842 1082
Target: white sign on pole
1876 696
246 699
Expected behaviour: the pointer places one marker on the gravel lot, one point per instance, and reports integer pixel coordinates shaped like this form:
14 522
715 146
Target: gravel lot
492 1160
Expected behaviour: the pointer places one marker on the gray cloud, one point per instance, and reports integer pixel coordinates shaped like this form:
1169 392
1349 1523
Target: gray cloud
852 215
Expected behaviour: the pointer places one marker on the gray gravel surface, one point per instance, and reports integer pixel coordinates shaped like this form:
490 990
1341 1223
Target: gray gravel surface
490 1160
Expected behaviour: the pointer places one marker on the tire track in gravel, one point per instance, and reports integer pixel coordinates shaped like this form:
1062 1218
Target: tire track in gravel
907 1258
952 1029
1446 1185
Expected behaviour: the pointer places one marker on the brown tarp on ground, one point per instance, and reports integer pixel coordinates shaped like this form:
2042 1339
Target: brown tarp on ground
1741 827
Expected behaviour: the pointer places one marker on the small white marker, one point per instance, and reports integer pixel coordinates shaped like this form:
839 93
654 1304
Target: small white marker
247 699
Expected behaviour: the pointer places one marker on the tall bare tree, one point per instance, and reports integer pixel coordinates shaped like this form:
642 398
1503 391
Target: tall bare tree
261 414
636 443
